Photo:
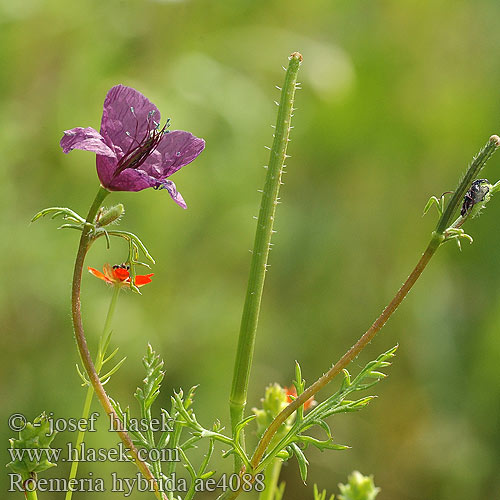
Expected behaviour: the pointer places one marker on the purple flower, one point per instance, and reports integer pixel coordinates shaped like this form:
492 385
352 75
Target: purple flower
133 151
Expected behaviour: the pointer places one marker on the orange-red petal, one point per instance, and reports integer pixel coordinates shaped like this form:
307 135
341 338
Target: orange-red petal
98 274
143 279
291 393
120 274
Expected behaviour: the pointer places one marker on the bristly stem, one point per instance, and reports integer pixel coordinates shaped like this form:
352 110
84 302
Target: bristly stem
106 331
437 239
250 315
85 242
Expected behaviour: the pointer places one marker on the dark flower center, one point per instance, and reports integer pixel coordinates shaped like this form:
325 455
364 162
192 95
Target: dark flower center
141 148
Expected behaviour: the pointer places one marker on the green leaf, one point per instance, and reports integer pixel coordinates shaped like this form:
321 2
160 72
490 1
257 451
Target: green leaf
191 442
437 201
346 382
337 403
302 460
208 474
187 464
66 213
85 381
132 238
165 437
124 417
327 444
147 394
239 427
280 491
322 495
113 370
298 382
33 448
112 355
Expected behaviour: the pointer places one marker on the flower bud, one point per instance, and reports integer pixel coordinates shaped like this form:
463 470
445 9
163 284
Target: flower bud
275 400
359 486
109 215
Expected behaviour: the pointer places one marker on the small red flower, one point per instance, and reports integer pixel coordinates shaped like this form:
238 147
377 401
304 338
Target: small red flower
291 393
119 275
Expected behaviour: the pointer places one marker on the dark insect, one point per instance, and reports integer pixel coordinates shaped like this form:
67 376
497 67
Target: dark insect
478 190
121 266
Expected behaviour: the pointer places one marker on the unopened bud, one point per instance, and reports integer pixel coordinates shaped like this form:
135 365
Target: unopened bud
109 215
274 401
359 486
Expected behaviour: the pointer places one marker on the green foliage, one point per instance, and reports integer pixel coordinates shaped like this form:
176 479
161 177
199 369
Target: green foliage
180 417
274 401
135 246
359 487
184 416
147 394
438 202
102 359
35 436
103 218
457 234
322 495
295 441
280 491
65 213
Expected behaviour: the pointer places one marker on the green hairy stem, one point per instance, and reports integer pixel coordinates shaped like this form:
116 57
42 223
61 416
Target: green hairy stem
261 247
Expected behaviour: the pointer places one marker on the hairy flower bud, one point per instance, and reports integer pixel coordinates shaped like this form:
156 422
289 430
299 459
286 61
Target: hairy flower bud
109 215
359 486
275 399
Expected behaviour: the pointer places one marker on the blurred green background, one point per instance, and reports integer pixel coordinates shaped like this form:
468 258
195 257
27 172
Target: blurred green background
397 97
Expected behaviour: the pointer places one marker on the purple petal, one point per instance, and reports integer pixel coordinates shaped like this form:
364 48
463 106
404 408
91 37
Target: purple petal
128 180
87 139
127 117
172 191
177 148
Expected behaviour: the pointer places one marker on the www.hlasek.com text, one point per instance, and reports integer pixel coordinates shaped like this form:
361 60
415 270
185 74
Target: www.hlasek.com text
83 453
